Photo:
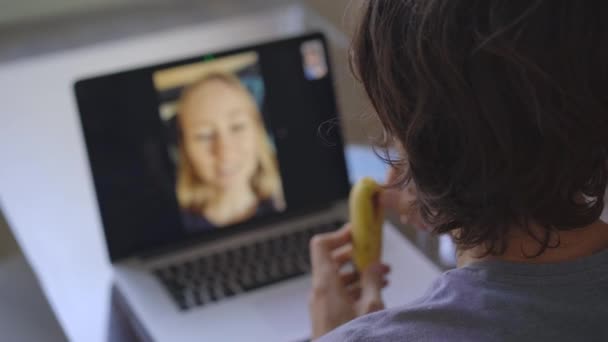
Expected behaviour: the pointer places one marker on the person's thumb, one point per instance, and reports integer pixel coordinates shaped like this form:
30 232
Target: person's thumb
371 290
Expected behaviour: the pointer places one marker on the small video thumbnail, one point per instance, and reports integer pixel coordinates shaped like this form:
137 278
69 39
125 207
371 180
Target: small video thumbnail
313 59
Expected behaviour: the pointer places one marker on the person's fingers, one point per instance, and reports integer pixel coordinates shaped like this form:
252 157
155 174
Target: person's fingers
349 278
354 292
384 269
321 245
372 282
328 241
342 255
352 280
325 273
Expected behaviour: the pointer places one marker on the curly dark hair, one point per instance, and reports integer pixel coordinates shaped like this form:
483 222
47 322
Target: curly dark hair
501 107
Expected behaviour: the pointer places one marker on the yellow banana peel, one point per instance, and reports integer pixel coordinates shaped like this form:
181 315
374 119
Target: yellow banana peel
366 217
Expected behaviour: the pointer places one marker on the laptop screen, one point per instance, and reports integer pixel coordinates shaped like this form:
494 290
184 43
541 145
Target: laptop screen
213 145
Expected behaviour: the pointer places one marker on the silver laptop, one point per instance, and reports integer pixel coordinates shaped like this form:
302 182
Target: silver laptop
211 175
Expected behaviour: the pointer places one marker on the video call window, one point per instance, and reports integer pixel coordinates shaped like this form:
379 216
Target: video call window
313 60
226 168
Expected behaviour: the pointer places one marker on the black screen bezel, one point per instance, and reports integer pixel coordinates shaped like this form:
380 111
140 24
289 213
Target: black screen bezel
82 86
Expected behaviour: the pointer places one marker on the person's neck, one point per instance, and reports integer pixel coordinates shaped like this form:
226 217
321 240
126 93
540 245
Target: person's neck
521 247
231 205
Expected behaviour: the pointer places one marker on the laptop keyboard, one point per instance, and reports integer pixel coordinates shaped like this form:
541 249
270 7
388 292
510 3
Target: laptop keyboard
221 275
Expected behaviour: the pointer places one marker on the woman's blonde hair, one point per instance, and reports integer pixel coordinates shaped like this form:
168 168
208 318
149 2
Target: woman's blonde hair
192 193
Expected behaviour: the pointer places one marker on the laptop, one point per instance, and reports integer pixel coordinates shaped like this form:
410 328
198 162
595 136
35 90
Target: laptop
212 173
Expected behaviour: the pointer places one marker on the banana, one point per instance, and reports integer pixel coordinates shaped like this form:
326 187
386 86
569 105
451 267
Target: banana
366 218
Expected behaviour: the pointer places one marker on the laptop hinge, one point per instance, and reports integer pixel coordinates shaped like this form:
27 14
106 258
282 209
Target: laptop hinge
337 209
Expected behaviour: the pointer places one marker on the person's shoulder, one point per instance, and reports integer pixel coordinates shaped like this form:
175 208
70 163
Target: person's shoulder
383 325
429 317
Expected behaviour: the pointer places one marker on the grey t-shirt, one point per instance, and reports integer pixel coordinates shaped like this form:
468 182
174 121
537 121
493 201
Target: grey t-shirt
499 301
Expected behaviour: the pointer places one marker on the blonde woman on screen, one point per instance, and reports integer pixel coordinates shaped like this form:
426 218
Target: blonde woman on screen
227 170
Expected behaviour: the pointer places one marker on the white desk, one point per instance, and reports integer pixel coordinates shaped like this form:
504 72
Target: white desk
46 189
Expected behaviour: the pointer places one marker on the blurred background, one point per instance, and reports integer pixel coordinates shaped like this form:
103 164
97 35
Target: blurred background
31 28
34 31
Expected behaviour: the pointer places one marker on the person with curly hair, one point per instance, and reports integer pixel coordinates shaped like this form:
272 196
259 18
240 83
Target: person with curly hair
500 111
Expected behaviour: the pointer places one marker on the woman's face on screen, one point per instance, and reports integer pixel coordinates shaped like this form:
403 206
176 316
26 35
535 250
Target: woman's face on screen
220 134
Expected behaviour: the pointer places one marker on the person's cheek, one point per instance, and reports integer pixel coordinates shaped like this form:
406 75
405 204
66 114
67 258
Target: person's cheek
249 150
252 141
254 146
241 142
203 160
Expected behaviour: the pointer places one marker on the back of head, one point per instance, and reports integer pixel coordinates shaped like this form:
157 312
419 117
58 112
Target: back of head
501 107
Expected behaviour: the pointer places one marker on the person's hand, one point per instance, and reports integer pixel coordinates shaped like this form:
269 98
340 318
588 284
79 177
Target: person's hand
400 201
339 296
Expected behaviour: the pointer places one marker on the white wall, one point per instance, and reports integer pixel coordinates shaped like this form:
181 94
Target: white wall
18 10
